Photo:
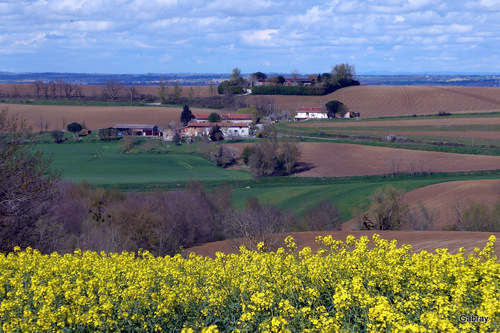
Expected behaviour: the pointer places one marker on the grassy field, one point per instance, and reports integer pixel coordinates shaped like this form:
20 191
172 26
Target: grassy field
160 165
348 193
103 163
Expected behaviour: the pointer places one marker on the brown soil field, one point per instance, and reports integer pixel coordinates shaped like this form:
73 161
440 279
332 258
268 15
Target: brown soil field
383 101
444 198
96 117
378 101
356 160
419 240
343 160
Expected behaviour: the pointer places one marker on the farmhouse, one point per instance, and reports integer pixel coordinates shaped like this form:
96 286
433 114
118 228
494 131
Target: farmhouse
234 130
305 113
227 118
137 130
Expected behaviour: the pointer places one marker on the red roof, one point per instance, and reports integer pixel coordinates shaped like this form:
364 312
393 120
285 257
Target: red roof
224 116
193 124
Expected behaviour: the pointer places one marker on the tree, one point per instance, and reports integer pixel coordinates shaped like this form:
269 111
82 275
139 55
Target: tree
343 72
27 185
176 139
280 79
214 117
215 133
388 210
177 91
236 74
324 216
163 88
334 108
111 89
57 135
75 128
186 115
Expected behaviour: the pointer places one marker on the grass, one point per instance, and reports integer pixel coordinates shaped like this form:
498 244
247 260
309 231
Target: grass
103 163
158 165
349 193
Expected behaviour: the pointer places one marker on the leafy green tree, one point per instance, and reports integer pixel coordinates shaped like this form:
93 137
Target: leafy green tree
75 128
214 117
186 115
280 79
215 133
334 108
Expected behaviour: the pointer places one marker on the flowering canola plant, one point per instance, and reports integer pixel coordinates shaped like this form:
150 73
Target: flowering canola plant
343 287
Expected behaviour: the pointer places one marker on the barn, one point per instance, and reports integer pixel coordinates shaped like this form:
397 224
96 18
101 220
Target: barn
137 130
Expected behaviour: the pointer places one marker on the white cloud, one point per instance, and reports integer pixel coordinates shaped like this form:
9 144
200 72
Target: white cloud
259 37
227 29
399 19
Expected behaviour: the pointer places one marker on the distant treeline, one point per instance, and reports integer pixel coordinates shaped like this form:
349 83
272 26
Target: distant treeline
303 90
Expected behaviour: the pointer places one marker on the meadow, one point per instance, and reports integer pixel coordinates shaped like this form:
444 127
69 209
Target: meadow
102 163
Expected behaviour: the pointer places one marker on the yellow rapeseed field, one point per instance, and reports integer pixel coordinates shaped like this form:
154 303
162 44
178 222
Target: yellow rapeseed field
344 287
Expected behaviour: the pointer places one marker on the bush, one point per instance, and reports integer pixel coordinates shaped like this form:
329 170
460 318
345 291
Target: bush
231 86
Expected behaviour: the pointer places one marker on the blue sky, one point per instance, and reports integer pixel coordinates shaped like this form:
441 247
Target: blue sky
214 36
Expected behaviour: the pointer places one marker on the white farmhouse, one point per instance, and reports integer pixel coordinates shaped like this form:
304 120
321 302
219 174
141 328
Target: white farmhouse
305 113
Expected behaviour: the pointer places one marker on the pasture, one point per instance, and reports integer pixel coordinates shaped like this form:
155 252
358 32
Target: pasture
103 164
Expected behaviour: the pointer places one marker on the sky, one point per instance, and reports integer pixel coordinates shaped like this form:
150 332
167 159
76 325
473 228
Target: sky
271 36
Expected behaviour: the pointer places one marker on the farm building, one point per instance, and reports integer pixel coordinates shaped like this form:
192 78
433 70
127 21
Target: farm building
350 114
227 117
235 130
137 130
305 113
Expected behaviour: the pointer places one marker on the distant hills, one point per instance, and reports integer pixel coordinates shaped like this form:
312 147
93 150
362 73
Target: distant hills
192 79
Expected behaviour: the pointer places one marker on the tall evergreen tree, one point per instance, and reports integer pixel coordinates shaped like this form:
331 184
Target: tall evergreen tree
186 115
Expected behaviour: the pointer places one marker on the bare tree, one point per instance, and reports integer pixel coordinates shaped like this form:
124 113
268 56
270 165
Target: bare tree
388 210
259 223
132 92
111 90
27 184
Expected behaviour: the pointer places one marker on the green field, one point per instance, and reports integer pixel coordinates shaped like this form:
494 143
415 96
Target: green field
103 163
166 166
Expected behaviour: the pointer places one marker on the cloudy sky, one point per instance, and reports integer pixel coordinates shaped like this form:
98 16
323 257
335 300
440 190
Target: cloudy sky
214 36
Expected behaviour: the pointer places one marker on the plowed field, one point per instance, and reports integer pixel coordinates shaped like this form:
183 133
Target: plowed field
96 116
382 101
444 197
341 160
